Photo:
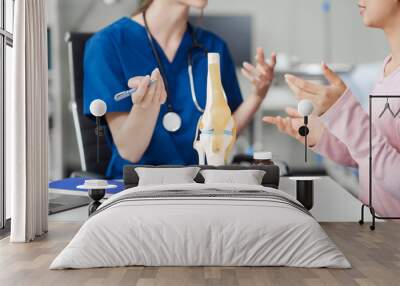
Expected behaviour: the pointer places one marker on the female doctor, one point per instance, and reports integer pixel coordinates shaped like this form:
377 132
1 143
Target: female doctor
157 124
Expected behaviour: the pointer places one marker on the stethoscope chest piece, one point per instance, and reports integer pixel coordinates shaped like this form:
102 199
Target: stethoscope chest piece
172 122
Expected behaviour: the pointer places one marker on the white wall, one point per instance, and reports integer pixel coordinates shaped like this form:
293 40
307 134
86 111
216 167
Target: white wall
296 27
100 14
291 26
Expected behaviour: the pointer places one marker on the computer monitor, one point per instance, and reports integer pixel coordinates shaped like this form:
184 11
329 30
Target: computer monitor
235 30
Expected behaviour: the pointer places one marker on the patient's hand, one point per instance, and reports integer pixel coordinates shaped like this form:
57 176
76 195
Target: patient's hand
322 96
290 125
262 74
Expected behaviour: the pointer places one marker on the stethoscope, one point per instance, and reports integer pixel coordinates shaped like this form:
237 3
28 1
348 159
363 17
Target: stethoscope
172 121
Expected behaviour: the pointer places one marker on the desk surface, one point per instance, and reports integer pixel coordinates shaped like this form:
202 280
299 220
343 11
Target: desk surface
332 202
69 187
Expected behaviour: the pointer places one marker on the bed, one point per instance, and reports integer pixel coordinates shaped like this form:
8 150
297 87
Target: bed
199 224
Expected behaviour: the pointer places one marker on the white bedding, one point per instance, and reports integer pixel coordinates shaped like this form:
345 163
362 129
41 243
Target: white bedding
203 231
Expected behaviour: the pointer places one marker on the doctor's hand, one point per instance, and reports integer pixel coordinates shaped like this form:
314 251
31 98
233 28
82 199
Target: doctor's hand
290 125
262 74
322 97
147 95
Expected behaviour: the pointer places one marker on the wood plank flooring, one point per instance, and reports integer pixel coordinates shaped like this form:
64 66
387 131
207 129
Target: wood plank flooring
375 257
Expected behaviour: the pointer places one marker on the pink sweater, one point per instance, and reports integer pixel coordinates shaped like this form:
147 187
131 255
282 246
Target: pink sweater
346 141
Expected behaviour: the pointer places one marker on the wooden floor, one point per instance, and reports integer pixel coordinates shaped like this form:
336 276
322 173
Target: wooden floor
375 257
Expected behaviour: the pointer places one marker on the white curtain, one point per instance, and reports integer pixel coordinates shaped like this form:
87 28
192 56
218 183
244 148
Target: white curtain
27 123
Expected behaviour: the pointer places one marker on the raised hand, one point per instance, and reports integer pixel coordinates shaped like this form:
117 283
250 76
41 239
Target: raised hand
262 74
322 97
290 125
148 95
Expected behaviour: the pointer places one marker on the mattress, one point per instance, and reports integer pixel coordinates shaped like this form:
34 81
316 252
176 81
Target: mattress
201 225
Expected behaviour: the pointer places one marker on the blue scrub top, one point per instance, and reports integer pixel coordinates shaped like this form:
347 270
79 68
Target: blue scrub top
121 51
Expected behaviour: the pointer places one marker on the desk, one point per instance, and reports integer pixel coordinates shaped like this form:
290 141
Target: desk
332 203
69 187
64 194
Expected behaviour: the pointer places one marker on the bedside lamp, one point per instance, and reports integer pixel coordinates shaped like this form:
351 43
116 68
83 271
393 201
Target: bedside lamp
305 108
98 108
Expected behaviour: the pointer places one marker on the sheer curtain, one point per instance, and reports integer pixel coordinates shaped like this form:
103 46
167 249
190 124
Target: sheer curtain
27 123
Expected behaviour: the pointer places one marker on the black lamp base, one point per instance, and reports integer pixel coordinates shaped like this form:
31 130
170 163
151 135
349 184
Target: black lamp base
305 193
96 195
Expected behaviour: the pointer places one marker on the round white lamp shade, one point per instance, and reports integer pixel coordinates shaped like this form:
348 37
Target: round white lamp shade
98 107
305 107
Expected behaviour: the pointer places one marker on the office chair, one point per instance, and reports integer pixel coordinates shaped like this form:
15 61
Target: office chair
84 126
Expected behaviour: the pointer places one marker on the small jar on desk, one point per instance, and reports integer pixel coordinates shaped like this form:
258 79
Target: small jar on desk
263 158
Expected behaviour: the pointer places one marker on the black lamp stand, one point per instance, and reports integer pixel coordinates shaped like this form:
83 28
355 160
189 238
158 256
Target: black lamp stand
96 195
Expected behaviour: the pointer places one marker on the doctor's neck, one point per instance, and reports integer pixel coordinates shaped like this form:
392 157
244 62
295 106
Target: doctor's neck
167 20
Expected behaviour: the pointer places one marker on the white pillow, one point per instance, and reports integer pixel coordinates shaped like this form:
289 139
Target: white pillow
166 176
247 177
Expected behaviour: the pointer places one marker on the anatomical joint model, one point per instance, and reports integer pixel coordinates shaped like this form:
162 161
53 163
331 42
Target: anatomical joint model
216 129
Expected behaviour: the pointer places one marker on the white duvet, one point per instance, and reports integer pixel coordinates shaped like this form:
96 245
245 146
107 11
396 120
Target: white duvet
200 231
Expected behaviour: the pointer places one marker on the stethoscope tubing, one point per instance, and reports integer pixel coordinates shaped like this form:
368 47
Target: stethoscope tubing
195 45
192 90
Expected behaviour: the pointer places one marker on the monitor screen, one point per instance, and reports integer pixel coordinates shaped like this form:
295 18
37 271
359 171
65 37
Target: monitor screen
235 30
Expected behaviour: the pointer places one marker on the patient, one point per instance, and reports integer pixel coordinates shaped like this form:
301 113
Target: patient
340 127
